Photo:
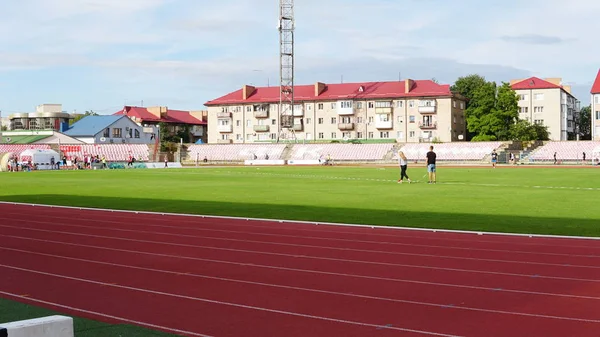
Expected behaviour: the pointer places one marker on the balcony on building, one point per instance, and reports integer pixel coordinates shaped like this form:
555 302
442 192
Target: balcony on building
223 114
427 107
346 126
428 125
298 127
225 128
298 110
345 108
261 128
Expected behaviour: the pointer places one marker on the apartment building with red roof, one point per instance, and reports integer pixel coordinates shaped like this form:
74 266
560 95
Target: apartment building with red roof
547 102
595 102
175 120
404 111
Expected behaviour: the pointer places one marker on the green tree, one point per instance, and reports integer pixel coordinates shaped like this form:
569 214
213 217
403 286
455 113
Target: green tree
479 112
506 110
78 117
467 86
525 131
583 123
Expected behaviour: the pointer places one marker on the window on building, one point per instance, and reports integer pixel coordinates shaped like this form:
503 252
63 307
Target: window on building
137 133
462 105
384 117
320 120
383 104
597 99
248 136
411 104
117 133
411 119
320 106
524 109
273 122
237 109
333 135
400 135
384 134
106 133
346 134
597 115
371 105
308 107
411 134
359 135
359 119
346 104
539 121
569 124
454 104
248 108
538 97
538 109
309 121
371 119
333 105
399 119
371 135
399 104
248 122
321 135
224 136
333 120
238 123
345 120
238 137
358 105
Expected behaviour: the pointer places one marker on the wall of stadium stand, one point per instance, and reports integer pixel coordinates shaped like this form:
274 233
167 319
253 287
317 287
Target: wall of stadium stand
340 153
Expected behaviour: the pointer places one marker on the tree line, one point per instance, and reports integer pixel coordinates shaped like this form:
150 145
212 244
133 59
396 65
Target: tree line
492 113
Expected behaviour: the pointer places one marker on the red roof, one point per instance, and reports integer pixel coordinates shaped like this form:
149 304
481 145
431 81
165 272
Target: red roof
173 116
370 90
596 86
534 83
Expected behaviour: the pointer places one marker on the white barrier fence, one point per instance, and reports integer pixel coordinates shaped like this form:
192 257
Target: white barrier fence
51 326
264 162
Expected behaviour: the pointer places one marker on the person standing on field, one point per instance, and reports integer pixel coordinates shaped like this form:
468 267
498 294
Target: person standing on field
431 157
494 158
403 162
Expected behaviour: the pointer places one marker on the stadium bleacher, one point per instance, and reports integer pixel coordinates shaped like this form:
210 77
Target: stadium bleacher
463 151
235 152
113 152
18 148
360 152
565 151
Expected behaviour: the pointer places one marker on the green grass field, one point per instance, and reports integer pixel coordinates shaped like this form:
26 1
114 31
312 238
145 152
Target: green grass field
521 200
560 201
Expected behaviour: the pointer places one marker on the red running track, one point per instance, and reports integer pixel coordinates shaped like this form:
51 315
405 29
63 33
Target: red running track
222 277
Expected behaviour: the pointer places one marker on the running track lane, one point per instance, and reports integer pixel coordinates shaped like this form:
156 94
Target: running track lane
176 285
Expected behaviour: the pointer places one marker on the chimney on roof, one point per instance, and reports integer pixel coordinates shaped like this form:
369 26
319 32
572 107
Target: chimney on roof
319 88
408 85
247 91
158 111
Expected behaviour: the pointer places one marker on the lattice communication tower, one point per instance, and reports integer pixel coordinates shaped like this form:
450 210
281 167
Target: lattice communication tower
286 68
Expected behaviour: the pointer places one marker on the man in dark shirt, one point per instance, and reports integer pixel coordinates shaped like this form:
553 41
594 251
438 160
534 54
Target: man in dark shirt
494 158
431 156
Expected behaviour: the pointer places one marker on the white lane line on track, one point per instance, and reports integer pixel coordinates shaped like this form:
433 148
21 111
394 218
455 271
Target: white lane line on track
274 235
190 274
332 224
99 314
237 305
246 264
303 256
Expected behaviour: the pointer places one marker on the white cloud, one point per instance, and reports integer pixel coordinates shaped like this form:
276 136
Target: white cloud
162 46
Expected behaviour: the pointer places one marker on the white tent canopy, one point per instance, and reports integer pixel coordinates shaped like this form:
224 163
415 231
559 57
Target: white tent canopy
41 158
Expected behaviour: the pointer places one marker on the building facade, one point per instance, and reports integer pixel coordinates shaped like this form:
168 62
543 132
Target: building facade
403 111
194 122
46 117
595 103
111 130
549 103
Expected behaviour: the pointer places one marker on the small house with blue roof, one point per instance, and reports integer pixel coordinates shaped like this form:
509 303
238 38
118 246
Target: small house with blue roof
111 130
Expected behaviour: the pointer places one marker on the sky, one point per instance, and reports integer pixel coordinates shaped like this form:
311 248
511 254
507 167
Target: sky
103 54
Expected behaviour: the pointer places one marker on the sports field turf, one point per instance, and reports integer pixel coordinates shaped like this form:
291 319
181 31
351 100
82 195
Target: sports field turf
521 200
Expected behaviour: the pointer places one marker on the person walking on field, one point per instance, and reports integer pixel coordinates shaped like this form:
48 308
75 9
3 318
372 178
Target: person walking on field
431 157
403 166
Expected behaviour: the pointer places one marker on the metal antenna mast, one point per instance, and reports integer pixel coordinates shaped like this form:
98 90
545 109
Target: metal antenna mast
286 68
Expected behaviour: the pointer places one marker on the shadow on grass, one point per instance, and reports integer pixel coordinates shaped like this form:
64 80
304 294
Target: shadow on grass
418 219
